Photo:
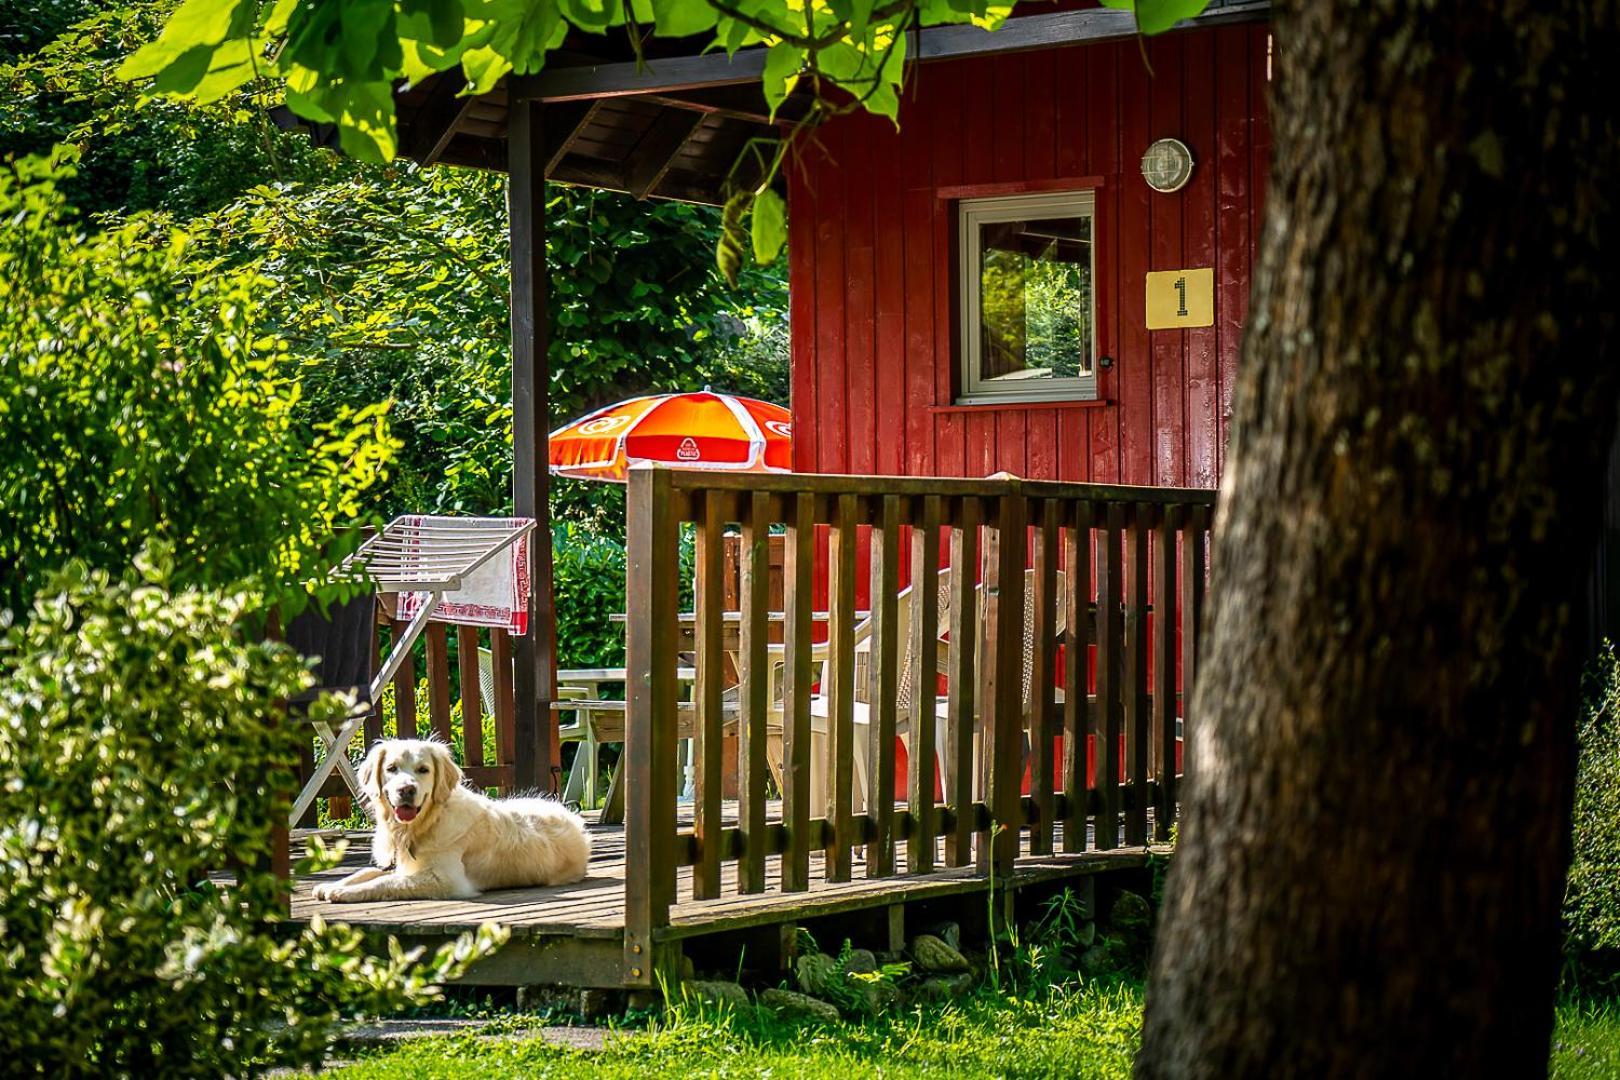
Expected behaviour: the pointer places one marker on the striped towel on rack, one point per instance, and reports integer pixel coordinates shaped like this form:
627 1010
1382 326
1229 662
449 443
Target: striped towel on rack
495 594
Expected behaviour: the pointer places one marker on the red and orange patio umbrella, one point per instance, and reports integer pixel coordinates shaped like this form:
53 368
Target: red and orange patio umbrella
697 430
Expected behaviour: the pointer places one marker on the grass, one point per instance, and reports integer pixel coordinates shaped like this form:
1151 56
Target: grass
1091 1031
1586 1043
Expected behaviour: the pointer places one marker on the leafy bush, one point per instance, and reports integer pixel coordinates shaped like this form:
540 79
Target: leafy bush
1592 901
141 400
393 286
589 585
143 758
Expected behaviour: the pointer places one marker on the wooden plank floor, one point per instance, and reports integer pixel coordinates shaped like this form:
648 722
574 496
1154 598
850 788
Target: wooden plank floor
594 907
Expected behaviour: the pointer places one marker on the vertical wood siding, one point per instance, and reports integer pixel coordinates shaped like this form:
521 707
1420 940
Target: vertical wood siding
872 259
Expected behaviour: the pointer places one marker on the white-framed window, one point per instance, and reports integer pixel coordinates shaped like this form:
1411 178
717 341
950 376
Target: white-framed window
1026 273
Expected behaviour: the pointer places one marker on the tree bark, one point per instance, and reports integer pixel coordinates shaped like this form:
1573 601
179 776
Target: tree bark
1374 846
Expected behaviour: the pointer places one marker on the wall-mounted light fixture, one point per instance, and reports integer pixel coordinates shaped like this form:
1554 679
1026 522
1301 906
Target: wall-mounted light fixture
1167 165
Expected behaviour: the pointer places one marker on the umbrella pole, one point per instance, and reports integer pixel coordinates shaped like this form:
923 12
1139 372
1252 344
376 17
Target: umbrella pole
536 753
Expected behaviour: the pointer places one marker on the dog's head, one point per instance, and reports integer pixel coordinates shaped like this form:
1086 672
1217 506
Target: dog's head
406 777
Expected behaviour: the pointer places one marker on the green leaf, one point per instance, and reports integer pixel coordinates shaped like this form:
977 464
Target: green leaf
1157 16
681 18
769 226
728 251
860 15
439 23
782 66
196 24
484 68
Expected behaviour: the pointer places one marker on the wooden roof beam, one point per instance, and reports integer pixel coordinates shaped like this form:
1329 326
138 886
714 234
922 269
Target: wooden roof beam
659 147
565 120
671 75
435 123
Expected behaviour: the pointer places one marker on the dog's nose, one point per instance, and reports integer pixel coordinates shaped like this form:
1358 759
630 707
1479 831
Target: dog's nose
407 791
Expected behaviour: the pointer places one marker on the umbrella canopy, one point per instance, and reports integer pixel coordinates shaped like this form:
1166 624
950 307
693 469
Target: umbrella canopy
698 431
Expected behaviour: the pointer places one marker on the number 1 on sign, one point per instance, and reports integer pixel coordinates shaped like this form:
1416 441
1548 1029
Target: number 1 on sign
1179 299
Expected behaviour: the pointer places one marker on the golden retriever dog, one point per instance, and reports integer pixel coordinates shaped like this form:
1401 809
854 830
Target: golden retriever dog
437 840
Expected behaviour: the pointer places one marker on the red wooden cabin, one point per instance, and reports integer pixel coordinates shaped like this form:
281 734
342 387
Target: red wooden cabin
878 289
996 287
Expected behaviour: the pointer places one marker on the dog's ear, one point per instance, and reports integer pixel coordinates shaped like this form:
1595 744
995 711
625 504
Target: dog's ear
371 772
447 774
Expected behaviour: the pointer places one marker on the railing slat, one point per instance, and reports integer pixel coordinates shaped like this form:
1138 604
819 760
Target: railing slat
652 575
1043 669
962 681
711 669
1164 670
1193 557
1110 643
374 719
754 691
883 687
924 679
798 567
505 704
438 666
839 686
472 704
1003 667
1076 688
1137 715
404 687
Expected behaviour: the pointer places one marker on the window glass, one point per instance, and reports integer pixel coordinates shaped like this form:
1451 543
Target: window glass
1029 297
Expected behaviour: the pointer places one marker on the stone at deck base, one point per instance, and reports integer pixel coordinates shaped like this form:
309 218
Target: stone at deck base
717 992
933 956
789 1003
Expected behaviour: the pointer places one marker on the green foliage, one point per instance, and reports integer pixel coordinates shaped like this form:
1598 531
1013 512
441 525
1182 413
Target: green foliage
1046 956
1592 901
1157 16
588 572
153 155
140 400
143 756
392 286
340 59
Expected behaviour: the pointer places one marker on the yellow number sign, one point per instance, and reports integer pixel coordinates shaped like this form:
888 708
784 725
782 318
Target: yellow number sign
1180 298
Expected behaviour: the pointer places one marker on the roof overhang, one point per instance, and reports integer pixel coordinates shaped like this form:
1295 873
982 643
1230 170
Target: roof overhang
672 125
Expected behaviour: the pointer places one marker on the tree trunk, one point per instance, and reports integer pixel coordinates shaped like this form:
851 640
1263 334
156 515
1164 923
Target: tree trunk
1374 847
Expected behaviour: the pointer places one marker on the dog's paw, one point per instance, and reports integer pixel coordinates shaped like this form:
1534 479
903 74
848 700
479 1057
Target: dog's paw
325 891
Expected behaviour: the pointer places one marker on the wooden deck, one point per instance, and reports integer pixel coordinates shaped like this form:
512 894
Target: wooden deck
573 933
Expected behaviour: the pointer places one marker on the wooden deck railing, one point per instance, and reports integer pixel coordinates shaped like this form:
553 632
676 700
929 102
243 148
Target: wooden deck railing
452 675
1109 689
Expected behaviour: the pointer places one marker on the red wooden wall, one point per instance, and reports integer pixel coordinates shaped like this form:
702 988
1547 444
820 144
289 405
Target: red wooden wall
871 251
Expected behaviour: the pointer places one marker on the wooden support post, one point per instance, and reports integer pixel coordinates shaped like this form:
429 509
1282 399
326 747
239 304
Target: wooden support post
536 753
754 692
1077 720
797 569
1134 686
840 690
964 630
1193 557
896 928
1164 671
1002 677
883 689
652 574
924 651
1110 721
711 659
1043 666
